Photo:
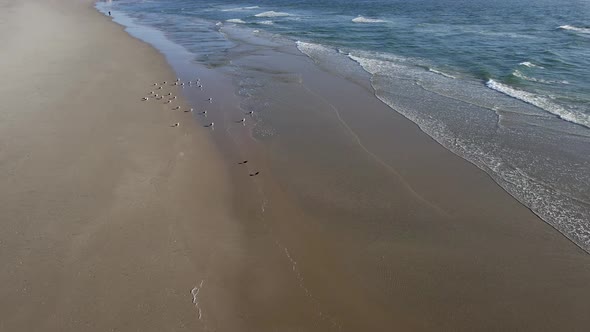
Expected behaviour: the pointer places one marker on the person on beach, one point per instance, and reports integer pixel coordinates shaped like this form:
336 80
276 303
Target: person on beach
109 13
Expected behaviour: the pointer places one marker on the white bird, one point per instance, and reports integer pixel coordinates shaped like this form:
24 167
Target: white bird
175 83
164 82
210 100
151 93
169 94
182 84
155 84
169 101
159 88
145 98
189 110
177 107
211 124
156 95
244 120
204 112
178 80
251 112
177 124
174 97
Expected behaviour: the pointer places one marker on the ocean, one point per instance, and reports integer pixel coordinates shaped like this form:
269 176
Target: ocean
503 84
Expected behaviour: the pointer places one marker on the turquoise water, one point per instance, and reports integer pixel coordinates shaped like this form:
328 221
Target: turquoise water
503 84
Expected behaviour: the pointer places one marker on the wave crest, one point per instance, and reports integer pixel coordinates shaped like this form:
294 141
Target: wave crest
362 19
541 102
574 28
272 14
235 20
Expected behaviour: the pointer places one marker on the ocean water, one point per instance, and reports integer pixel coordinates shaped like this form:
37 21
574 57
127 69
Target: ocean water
503 84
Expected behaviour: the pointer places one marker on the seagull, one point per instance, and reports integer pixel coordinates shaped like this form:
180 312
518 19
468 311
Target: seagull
169 94
204 112
251 112
159 88
243 162
177 79
173 97
210 100
164 82
177 107
182 84
151 93
210 125
189 110
244 120
177 124
169 101
145 98
155 84
254 174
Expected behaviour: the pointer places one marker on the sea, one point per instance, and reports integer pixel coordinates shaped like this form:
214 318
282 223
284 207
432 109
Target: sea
504 84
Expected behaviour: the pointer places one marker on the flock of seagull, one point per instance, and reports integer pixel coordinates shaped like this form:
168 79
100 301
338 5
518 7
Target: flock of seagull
169 98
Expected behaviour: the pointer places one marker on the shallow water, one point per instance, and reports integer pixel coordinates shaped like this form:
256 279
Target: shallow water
504 84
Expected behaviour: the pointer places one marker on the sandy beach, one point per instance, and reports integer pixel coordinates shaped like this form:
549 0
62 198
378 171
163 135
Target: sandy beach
111 219
108 214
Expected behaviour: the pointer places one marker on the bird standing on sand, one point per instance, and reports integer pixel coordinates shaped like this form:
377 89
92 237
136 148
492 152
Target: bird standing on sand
159 88
168 102
177 124
169 94
177 107
164 82
210 125
210 100
254 174
145 98
177 79
204 112
189 110
155 84
243 162
250 113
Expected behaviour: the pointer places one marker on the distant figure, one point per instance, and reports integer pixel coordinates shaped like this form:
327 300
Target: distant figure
109 13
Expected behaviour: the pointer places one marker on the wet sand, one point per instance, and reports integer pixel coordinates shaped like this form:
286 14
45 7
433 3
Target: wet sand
357 221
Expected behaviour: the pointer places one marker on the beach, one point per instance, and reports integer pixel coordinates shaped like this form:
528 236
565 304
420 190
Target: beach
114 219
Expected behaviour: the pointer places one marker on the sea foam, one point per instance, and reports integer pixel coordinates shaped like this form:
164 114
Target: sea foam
362 19
574 28
541 102
530 65
235 20
239 9
272 14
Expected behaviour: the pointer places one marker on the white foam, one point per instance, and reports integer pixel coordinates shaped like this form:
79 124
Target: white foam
520 75
574 28
237 9
541 102
441 73
312 50
265 22
272 14
235 20
362 19
530 65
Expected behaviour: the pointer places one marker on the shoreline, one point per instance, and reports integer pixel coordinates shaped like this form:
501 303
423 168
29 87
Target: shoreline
303 219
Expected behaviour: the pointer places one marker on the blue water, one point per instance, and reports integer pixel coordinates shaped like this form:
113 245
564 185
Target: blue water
504 84
539 46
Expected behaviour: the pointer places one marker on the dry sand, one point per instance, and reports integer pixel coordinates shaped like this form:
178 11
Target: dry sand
109 216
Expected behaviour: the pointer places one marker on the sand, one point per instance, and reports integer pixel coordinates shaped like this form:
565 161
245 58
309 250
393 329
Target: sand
109 216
